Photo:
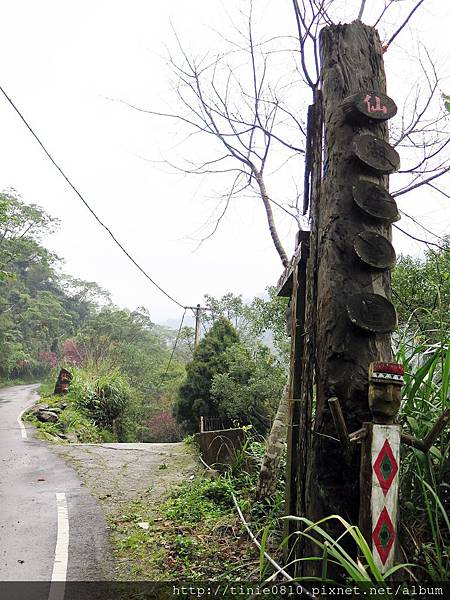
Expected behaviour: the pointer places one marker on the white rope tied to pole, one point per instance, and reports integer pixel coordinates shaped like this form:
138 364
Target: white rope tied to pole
258 545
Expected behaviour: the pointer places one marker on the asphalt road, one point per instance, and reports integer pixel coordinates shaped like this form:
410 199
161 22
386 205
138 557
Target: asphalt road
47 517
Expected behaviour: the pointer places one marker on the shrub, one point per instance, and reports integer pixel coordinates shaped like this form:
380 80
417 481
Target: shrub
163 428
49 359
104 397
200 500
194 397
424 493
71 353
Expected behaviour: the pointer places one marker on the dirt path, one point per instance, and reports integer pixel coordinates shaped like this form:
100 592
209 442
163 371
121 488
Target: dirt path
131 478
119 473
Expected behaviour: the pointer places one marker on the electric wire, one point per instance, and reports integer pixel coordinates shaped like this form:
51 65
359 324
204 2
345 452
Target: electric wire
101 223
158 387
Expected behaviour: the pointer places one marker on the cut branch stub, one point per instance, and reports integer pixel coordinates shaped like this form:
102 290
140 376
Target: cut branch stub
372 313
368 106
376 154
376 201
374 250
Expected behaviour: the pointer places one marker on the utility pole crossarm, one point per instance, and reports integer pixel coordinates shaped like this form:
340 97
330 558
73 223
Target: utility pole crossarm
197 311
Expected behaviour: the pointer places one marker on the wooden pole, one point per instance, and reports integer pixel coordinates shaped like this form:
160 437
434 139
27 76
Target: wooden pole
197 312
296 433
425 444
352 308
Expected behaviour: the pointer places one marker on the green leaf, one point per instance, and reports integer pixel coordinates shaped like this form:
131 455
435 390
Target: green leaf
437 501
262 558
446 101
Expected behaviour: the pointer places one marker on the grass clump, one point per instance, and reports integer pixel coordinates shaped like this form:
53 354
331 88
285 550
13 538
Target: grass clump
200 500
72 424
93 410
194 535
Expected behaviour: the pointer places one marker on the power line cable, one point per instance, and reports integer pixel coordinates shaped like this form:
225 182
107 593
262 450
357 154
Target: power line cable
116 241
173 351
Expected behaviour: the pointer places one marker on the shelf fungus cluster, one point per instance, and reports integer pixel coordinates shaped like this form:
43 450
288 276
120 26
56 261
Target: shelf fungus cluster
375 159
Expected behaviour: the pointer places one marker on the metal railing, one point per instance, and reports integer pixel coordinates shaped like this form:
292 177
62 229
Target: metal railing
217 423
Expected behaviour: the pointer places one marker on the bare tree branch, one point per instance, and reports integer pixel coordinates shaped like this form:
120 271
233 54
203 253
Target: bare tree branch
422 182
419 239
395 34
241 101
414 220
439 190
361 10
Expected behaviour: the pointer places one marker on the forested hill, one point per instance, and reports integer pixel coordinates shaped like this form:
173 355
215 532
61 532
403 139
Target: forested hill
127 382
127 371
48 319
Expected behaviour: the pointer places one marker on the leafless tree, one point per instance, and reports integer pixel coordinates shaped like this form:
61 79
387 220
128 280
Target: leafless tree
423 134
250 101
235 99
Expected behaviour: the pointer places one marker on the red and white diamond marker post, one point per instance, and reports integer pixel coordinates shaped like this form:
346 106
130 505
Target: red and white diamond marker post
384 536
385 453
382 445
380 458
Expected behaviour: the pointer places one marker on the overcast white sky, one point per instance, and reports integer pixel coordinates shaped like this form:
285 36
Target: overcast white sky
62 61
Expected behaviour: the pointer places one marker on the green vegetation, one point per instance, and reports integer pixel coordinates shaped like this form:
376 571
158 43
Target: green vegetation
196 533
194 397
425 497
261 321
121 392
250 388
232 373
35 311
93 410
72 424
49 320
362 571
422 287
121 389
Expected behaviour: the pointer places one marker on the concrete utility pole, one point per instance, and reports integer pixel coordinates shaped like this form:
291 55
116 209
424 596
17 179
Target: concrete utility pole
349 313
198 312
197 325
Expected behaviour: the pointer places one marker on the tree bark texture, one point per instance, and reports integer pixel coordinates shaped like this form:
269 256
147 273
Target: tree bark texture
351 57
269 214
276 443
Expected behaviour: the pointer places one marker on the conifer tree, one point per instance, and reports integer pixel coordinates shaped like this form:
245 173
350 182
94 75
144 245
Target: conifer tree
194 398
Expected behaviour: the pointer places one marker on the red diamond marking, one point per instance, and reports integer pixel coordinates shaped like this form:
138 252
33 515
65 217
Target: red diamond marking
384 535
385 467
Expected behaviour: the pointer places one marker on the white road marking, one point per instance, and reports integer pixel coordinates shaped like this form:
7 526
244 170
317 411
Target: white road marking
23 431
61 550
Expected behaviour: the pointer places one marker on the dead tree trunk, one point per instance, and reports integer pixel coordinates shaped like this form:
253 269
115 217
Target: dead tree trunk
352 62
